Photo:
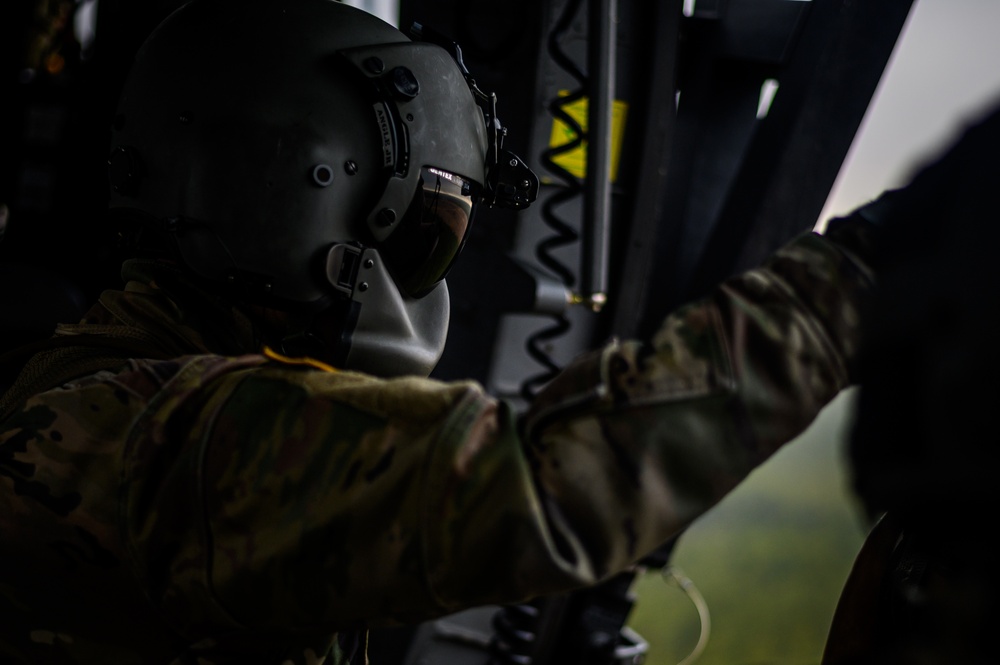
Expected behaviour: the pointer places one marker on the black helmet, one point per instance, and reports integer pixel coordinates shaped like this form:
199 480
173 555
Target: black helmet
306 154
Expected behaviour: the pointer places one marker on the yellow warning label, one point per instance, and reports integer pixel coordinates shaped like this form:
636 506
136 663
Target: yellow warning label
575 160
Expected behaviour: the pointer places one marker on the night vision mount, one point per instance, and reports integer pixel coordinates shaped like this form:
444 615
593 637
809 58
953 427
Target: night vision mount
509 181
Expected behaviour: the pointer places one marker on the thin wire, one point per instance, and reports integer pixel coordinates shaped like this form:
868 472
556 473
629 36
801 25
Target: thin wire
674 575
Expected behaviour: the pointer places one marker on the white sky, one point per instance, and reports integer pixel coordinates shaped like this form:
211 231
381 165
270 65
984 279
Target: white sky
945 70
387 10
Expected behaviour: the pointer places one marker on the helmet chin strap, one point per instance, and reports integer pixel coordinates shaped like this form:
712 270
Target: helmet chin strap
305 344
320 334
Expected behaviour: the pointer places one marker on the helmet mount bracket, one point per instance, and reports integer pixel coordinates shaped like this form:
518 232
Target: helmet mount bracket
509 182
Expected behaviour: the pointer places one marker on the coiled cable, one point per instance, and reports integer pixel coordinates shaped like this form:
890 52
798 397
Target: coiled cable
569 188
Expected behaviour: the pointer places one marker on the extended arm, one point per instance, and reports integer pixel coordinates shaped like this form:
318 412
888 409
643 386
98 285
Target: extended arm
338 499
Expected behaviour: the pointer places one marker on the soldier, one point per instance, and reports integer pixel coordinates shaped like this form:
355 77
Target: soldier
237 458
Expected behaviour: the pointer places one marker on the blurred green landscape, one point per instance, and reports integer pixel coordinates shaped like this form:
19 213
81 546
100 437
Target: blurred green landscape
770 560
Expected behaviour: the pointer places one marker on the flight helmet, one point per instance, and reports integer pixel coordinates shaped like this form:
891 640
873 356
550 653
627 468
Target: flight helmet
307 156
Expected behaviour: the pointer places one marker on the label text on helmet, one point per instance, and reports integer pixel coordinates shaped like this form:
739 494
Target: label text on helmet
385 127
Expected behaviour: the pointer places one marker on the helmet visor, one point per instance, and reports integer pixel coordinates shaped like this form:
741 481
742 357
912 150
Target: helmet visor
422 248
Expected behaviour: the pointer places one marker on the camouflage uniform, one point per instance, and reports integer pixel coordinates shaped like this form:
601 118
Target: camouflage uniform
217 508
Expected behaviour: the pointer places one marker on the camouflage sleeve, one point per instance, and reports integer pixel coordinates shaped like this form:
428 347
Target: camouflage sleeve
336 499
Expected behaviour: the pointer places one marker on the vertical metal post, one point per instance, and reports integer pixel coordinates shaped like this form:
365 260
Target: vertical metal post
601 44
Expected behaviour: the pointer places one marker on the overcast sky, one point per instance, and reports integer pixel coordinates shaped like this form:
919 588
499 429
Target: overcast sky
945 70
